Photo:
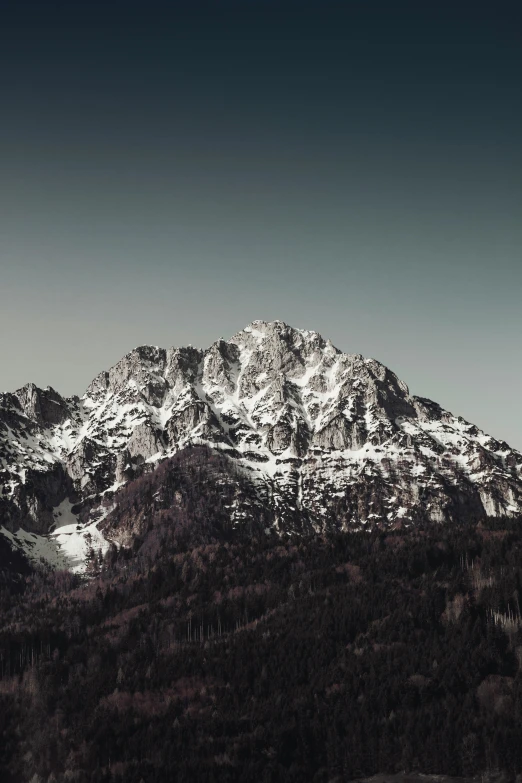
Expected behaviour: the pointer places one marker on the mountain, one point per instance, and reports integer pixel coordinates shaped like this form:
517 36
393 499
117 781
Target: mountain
309 439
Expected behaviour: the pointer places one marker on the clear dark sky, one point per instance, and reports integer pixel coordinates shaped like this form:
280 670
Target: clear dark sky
170 172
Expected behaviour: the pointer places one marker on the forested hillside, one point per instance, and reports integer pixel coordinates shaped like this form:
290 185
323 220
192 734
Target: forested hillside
249 657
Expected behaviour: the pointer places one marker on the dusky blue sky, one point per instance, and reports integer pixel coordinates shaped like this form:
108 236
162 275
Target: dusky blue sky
171 172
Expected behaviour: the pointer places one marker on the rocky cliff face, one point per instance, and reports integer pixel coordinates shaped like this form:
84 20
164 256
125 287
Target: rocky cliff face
323 438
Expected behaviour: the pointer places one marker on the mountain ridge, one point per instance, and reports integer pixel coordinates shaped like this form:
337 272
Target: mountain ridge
325 439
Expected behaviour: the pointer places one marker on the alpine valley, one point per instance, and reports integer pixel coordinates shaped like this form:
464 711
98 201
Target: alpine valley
294 436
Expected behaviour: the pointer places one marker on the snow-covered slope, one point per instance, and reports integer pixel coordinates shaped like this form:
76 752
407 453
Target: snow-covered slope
326 438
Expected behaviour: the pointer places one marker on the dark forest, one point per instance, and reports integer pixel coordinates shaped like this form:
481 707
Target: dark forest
207 653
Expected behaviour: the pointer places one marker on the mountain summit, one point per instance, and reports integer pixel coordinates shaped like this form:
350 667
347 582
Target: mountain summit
321 438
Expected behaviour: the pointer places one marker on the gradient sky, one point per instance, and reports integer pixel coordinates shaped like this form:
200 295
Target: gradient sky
171 172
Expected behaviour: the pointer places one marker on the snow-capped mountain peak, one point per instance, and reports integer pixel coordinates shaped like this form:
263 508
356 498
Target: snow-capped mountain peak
324 437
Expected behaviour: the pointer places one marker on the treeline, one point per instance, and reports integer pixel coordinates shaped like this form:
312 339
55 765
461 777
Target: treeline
252 658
